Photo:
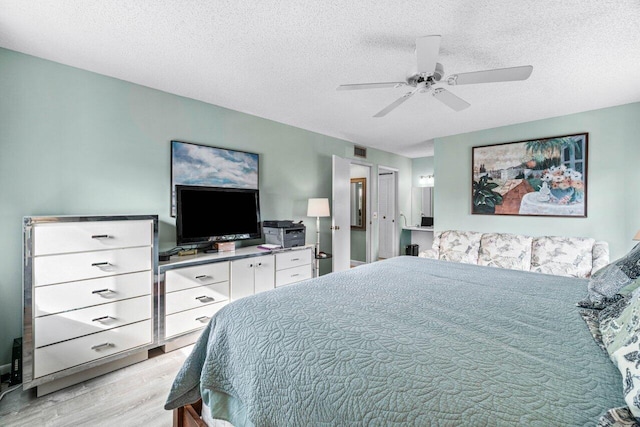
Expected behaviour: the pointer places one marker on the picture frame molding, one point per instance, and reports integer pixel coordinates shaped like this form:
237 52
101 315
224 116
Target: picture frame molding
584 174
172 207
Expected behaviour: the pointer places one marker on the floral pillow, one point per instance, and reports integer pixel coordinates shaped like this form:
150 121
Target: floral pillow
512 251
618 417
460 246
610 280
620 322
627 359
619 328
562 256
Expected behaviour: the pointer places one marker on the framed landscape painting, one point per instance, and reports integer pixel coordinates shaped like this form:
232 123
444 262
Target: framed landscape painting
195 164
542 177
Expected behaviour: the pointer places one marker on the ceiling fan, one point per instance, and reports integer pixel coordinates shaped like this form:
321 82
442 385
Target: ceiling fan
430 72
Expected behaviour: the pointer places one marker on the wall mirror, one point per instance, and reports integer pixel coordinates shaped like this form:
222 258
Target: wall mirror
421 204
358 203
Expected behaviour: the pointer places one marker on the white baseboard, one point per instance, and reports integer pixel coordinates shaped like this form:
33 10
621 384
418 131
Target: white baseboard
4 369
357 263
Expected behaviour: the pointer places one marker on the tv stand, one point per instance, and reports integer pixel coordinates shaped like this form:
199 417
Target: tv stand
193 288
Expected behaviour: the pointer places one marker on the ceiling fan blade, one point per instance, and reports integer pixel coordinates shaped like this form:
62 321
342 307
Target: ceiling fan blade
491 76
449 99
427 49
395 104
371 85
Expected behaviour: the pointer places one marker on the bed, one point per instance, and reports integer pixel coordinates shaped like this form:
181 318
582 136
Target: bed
404 341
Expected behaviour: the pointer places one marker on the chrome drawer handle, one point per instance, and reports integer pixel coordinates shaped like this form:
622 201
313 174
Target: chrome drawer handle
100 319
203 319
100 236
100 264
101 346
101 291
294 275
204 298
295 259
204 276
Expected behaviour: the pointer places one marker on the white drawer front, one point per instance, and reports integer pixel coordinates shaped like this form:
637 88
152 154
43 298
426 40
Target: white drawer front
79 266
196 297
292 275
190 277
73 295
76 323
293 259
65 237
57 357
190 320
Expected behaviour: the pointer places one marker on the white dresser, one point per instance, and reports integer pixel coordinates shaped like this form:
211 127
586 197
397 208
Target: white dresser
88 296
193 295
193 288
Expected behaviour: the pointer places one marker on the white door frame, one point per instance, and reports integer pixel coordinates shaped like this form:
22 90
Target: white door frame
368 205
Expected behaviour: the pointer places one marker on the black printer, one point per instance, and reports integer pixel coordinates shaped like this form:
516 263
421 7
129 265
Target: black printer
284 233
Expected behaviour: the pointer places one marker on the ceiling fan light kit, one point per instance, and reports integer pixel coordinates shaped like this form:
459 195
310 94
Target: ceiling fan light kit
430 73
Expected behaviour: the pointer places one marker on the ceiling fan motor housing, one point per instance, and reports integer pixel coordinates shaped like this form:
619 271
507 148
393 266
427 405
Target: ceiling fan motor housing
415 78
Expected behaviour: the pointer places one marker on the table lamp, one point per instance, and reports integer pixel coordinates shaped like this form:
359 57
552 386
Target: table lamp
318 207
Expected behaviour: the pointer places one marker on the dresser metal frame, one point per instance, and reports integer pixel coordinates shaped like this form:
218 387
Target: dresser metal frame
28 291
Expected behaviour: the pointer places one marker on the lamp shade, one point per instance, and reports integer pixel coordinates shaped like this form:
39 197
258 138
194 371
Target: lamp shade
318 207
637 236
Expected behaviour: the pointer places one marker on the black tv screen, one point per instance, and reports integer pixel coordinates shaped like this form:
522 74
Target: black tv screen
216 214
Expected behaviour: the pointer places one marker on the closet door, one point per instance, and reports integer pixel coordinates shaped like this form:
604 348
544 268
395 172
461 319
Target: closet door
386 214
340 215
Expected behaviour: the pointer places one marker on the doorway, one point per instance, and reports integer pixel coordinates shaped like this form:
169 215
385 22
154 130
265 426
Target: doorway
387 202
345 208
360 209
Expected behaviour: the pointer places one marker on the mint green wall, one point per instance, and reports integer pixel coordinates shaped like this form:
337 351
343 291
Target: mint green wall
359 245
613 178
421 166
75 142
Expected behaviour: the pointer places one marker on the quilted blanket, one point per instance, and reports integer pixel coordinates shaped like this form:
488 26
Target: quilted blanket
405 341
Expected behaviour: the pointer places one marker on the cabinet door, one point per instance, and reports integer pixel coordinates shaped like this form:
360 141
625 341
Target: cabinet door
242 278
264 273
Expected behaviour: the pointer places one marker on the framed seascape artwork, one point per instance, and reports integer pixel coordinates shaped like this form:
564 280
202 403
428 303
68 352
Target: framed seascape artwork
542 177
202 165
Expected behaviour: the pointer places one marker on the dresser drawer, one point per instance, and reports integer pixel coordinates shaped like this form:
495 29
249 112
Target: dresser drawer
293 259
73 295
67 354
190 277
66 237
76 323
292 275
190 320
87 265
196 297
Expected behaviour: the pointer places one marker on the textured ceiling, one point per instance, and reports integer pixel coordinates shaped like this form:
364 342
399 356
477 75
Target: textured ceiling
282 60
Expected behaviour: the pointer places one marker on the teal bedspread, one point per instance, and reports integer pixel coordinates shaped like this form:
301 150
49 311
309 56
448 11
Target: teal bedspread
406 341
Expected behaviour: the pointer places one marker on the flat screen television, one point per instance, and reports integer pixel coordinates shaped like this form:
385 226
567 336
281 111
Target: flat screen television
216 214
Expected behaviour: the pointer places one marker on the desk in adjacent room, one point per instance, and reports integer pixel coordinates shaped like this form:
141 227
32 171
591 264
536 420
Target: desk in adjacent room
421 236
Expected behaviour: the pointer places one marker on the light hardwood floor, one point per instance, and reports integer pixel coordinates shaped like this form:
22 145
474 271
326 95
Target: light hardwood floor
133 396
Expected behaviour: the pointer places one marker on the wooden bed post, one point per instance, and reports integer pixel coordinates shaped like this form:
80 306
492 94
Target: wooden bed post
188 416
